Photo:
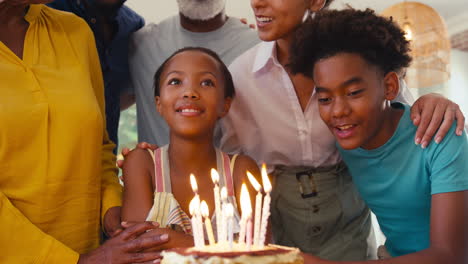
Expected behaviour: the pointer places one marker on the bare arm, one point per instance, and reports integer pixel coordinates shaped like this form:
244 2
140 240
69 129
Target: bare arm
138 176
176 239
449 235
138 172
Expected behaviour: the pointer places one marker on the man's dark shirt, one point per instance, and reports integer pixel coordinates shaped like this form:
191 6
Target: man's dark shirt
113 54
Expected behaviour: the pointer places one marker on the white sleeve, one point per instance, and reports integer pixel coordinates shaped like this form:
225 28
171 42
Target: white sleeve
404 96
229 142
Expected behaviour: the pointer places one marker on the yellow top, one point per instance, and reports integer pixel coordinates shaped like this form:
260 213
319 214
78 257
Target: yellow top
57 170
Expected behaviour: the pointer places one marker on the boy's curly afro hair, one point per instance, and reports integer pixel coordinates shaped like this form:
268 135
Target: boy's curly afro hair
379 40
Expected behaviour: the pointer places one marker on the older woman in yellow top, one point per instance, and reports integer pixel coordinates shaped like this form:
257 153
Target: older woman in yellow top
57 172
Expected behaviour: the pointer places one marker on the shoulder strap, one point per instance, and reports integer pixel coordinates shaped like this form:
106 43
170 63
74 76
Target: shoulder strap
162 170
228 174
233 162
158 170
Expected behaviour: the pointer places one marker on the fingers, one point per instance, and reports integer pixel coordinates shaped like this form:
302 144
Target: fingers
152 146
460 121
125 151
244 20
416 113
120 163
145 145
425 116
146 257
142 145
128 224
435 122
143 243
449 117
116 232
133 231
152 262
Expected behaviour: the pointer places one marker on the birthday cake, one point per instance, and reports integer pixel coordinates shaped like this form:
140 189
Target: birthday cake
217 254
249 246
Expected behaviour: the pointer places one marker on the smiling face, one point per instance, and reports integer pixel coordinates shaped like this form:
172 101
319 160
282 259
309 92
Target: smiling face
191 94
278 19
354 99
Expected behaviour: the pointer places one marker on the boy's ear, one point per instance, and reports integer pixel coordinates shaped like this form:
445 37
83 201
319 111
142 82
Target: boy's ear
316 5
226 106
392 86
158 104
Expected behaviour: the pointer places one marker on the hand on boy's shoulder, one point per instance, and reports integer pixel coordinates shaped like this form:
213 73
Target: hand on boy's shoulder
451 141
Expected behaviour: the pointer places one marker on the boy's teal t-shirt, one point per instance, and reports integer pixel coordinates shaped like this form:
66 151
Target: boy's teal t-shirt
397 180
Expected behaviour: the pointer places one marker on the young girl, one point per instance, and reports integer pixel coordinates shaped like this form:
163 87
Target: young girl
193 89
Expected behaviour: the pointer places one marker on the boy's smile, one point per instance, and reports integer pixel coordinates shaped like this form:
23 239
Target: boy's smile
345 131
354 100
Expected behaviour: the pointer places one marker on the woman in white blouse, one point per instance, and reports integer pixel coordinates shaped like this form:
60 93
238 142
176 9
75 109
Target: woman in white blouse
275 119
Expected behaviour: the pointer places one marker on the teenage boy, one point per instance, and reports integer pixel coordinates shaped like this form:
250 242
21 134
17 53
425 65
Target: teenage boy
419 195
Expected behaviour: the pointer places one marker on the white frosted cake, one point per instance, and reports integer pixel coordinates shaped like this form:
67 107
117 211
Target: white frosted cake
250 247
221 254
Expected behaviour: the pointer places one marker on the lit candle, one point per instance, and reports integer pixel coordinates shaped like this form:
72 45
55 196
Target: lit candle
223 215
266 205
193 183
258 207
230 224
215 178
249 232
209 229
193 207
246 208
196 214
242 230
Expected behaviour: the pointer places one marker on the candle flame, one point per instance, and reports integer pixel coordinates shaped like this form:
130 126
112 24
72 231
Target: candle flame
265 179
194 206
193 182
229 210
214 176
224 194
254 182
205 212
246 205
